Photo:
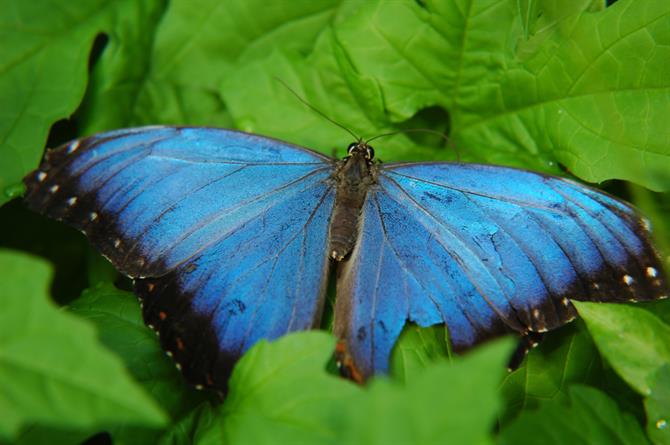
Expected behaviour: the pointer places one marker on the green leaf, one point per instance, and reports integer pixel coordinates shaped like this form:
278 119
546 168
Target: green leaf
191 428
53 370
581 94
180 85
588 417
418 348
566 98
280 393
657 406
450 403
564 357
43 70
634 341
116 315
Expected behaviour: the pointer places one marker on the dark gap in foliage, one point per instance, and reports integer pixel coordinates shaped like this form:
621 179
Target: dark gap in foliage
124 283
63 247
421 3
99 46
433 118
61 132
617 188
98 439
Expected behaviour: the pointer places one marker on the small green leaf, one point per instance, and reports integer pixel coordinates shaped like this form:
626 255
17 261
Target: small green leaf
562 358
588 417
191 428
416 349
53 370
634 341
657 406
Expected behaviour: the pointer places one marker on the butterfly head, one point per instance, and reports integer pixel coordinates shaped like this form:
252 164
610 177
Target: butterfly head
362 150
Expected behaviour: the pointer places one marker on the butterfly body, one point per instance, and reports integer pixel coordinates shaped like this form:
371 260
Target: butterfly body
229 238
354 175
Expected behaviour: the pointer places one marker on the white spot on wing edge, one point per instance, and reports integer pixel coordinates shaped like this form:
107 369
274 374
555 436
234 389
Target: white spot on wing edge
652 272
536 313
628 279
565 301
73 147
117 243
93 216
72 201
54 188
41 176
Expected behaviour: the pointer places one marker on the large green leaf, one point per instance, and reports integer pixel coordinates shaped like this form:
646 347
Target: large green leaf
634 341
44 54
280 393
511 100
588 417
116 315
53 370
180 84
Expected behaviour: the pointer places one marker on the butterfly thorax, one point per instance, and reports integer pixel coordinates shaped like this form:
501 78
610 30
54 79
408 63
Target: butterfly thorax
354 175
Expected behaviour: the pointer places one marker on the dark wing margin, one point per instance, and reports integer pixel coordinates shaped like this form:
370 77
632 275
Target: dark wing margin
223 232
485 250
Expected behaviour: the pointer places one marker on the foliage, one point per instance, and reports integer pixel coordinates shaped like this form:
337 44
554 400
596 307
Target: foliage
571 87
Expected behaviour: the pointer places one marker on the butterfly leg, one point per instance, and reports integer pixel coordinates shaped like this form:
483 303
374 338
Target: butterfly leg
528 341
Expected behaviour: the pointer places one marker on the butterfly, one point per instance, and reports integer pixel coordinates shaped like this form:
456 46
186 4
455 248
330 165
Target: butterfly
230 238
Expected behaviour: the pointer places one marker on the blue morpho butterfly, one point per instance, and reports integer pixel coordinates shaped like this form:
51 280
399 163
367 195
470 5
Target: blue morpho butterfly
230 237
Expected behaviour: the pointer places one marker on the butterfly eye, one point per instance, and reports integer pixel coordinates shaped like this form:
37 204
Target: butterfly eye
370 153
351 147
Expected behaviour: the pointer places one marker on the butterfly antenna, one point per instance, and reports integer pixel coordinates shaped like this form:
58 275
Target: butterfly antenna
417 130
316 110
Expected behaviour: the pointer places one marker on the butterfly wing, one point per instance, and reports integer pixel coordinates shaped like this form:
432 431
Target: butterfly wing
485 250
224 232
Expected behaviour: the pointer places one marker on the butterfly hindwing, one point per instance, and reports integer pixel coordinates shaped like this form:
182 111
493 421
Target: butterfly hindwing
485 250
224 232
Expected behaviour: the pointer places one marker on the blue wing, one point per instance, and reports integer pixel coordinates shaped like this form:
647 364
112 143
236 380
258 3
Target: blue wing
225 232
485 250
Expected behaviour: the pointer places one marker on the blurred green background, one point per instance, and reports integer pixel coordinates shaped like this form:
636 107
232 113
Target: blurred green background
573 88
